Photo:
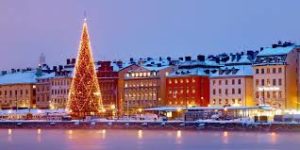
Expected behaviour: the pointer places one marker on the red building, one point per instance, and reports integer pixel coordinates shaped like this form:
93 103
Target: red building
185 88
108 79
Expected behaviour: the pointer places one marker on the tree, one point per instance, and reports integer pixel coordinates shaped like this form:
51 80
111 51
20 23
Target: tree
84 96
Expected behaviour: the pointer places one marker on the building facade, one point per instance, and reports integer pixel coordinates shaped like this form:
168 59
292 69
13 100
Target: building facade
276 76
108 80
18 90
187 90
143 87
43 92
231 91
59 87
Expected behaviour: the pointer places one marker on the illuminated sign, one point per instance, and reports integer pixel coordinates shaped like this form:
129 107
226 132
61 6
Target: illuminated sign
271 88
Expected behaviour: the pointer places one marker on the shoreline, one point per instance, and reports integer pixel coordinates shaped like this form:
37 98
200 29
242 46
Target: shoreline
138 125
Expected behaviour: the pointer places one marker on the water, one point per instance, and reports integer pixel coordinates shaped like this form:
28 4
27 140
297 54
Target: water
38 139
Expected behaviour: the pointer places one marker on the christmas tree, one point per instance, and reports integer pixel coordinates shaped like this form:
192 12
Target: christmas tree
84 96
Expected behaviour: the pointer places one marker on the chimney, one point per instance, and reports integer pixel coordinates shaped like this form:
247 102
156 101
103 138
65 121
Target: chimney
131 60
60 67
120 64
160 58
73 61
55 68
180 58
4 72
169 58
188 58
68 61
233 57
201 58
217 60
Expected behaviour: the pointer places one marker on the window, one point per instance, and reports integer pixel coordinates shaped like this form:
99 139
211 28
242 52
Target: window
274 94
274 82
226 101
233 91
240 101
279 70
256 82
193 80
220 101
226 82
268 94
233 101
214 101
280 94
257 94
279 82
214 82
220 82
187 80
233 82
262 82
257 71
262 71
220 91
239 81
226 91
268 70
268 82
274 70
214 91
239 91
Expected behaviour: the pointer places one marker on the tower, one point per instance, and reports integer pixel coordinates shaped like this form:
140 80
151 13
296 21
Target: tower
42 59
84 95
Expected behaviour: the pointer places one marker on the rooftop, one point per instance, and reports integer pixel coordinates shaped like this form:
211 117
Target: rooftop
276 51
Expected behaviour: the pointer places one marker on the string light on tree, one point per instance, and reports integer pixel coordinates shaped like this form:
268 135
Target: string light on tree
84 96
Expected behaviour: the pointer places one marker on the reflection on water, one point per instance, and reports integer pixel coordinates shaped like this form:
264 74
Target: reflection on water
9 131
225 137
143 139
140 134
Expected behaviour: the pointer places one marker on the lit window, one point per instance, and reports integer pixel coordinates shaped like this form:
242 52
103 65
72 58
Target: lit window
193 80
167 73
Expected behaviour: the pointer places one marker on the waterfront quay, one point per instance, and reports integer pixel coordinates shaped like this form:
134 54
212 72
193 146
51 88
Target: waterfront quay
153 125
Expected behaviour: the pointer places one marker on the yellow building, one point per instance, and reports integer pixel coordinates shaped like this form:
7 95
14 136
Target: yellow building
18 89
276 76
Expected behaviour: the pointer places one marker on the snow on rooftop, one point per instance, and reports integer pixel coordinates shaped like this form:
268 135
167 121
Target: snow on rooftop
46 75
155 68
188 72
276 51
237 70
18 77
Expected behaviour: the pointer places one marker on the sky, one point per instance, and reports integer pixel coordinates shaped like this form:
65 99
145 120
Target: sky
120 29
